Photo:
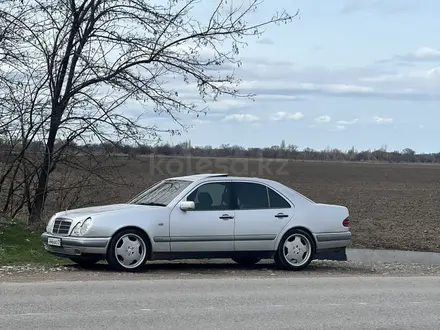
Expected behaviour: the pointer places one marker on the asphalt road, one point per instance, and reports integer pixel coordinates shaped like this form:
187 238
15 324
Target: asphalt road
226 303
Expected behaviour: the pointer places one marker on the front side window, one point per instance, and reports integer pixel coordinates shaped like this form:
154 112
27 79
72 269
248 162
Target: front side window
162 193
251 196
211 197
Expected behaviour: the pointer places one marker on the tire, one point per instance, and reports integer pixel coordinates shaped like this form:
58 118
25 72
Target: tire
302 252
244 261
85 262
131 244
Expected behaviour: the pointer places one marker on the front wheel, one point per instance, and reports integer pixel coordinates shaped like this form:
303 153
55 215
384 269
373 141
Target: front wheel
128 250
295 251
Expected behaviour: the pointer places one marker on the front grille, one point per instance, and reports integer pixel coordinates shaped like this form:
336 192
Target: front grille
61 226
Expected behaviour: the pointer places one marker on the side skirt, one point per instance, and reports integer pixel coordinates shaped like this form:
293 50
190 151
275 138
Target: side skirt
212 255
338 254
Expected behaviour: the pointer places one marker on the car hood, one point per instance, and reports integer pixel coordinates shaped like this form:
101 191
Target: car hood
94 210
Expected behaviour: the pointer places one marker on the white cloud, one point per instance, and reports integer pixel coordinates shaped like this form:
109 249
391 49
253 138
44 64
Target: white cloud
383 78
422 54
347 122
338 128
304 87
276 84
323 119
228 104
241 117
380 6
282 83
426 53
406 90
281 115
275 97
417 76
200 121
380 120
265 41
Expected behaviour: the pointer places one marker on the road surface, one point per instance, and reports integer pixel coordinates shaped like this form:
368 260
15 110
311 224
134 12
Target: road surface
225 303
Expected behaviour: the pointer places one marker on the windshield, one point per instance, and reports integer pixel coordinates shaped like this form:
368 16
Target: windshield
162 193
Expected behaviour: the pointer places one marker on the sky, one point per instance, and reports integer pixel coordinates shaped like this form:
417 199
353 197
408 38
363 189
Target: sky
345 73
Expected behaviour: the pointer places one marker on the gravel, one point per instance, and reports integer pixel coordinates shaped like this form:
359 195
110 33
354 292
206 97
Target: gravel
209 269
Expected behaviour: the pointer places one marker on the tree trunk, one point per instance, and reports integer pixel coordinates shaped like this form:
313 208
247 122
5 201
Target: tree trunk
44 171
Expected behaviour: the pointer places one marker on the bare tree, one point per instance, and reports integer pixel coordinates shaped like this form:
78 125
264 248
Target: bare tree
81 61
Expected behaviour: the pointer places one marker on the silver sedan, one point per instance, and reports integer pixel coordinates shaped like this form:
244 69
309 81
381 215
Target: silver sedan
203 216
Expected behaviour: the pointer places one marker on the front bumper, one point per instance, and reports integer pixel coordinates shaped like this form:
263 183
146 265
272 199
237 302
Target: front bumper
76 246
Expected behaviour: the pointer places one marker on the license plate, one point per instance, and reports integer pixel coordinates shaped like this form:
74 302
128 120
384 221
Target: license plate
54 241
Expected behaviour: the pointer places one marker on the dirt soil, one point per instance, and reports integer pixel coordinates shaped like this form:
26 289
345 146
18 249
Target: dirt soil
392 206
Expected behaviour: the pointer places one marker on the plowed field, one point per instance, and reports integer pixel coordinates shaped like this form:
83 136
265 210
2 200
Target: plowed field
393 206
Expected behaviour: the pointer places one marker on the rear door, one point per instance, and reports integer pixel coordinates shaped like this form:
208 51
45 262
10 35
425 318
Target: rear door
261 213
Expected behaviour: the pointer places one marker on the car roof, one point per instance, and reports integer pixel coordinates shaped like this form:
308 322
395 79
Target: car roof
205 176
197 177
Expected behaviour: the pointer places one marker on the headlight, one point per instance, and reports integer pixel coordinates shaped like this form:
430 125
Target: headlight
49 226
85 226
82 227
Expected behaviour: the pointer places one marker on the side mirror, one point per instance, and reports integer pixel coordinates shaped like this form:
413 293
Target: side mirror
187 205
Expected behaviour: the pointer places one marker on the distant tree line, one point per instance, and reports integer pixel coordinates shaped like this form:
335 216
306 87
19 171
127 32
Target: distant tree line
283 151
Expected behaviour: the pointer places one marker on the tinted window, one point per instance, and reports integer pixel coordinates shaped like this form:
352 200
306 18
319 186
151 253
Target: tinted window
276 201
211 196
251 196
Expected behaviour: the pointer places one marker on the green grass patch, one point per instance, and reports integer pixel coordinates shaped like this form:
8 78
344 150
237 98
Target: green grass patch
20 244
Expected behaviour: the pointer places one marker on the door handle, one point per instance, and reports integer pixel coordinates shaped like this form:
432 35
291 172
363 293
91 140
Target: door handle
281 215
226 217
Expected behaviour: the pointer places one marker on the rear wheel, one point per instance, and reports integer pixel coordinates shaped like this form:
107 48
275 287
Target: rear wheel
85 262
246 261
295 251
128 250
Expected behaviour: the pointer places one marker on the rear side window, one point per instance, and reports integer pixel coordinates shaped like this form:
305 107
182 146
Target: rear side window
251 196
277 201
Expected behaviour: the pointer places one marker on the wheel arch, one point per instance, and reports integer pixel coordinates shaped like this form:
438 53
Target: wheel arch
143 232
307 230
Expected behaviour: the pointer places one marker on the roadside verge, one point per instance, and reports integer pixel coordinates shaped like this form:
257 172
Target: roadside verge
393 256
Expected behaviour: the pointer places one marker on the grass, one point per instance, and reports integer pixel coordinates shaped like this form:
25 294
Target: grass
20 244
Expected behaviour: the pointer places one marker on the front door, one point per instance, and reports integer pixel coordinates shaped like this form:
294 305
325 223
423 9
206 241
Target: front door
208 228
260 215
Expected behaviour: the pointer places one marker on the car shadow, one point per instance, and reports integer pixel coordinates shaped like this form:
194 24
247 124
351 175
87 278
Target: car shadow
173 266
206 267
